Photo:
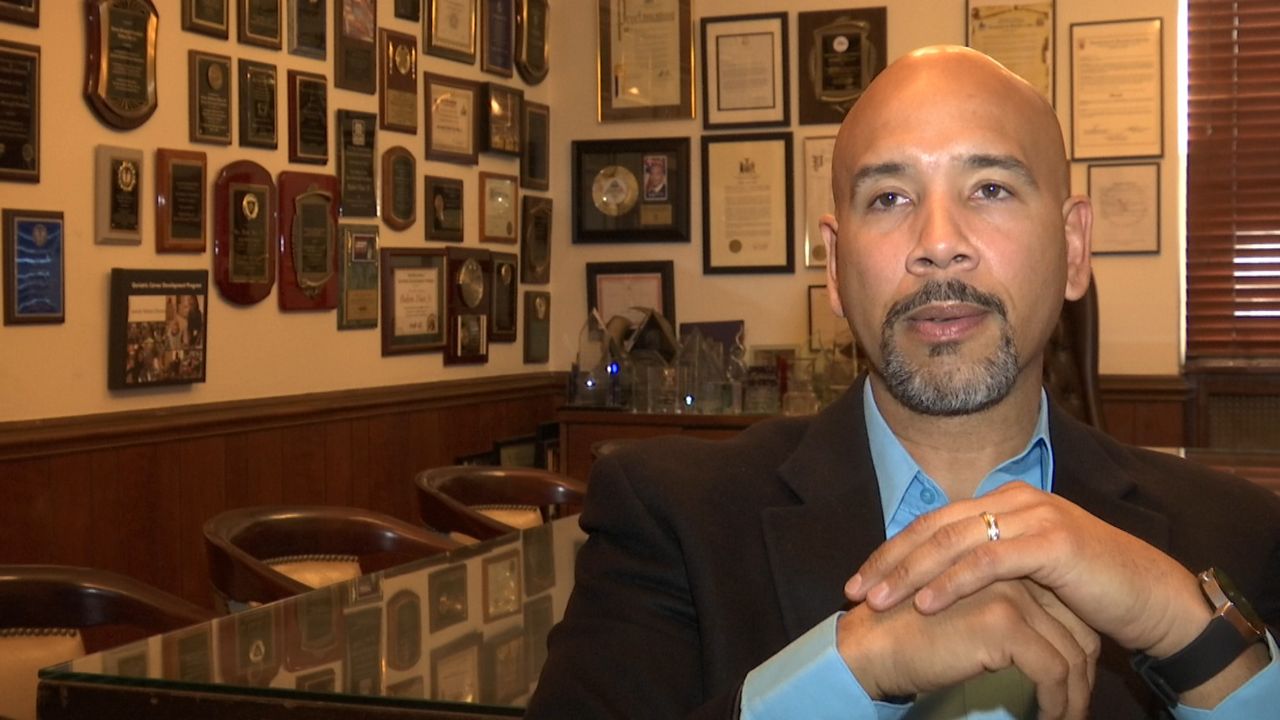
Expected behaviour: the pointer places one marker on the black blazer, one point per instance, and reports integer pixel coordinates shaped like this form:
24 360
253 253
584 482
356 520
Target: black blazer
706 558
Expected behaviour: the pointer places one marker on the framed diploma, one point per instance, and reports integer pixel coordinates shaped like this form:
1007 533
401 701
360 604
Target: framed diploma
818 200
207 17
117 196
746 200
259 23
308 241
841 51
21 12
413 300
612 287
208 98
120 66
354 56
356 138
455 670
442 198
646 58
469 286
535 146
631 190
398 82
500 114
451 109
20 112
1018 35
159 327
532 52
506 288
745 78
497 37
503 665
498 197
500 576
408 9
1126 208
244 232
399 188
535 240
34 267
308 118
537 327
449 30
180 201
308 28
358 284
1117 90
257 104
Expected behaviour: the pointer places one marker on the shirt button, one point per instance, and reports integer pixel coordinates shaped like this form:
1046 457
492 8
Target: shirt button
928 496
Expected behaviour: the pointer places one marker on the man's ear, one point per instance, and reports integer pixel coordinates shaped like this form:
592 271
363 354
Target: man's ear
1077 216
830 230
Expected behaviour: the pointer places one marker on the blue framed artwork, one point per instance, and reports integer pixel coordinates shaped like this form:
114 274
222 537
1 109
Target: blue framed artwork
34 267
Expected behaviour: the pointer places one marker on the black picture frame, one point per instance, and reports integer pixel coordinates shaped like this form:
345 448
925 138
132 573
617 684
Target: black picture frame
617 194
1126 208
831 77
443 208
537 326
206 17
308 117
1107 120
259 90
535 146
501 115
612 57
407 9
497 37
308 29
355 37
34 266
408 337
20 113
209 100
535 239
256 26
731 43
738 176
651 280
159 328
452 108
504 312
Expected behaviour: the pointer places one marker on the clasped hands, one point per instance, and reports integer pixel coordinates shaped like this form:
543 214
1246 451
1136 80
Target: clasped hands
941 602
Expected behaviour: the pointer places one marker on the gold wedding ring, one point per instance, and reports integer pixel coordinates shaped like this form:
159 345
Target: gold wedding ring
993 530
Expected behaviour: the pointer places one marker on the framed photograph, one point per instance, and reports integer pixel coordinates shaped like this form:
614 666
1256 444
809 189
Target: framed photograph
408 9
823 324
532 52
308 28
535 146
1019 35
259 23
535 240
500 576
747 204
159 327
631 190
180 201
117 196
746 81
413 300
399 188
308 118
447 597
645 64
449 30
469 302
497 37
613 287
503 668
498 197
537 327
207 17
841 51
257 104
500 115
120 62
442 198
357 136
21 12
506 297
398 82
244 232
1117 89
455 670
355 23
1126 208
451 108
358 283
818 199
34 267
208 98
308 221
20 112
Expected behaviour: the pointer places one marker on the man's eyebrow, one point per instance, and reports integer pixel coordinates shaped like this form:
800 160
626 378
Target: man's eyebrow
867 173
1001 162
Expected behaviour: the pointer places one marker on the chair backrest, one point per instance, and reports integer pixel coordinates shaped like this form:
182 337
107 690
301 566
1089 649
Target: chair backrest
54 613
1071 359
246 546
473 500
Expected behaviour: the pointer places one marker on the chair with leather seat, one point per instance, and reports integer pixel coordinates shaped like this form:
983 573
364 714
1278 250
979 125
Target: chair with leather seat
55 613
1071 360
265 553
474 502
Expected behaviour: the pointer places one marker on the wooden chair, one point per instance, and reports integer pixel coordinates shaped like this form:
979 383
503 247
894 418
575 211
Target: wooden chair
481 502
1071 360
55 613
265 553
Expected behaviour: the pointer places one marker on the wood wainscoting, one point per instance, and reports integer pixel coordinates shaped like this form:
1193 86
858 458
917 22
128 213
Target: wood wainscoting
1149 410
130 491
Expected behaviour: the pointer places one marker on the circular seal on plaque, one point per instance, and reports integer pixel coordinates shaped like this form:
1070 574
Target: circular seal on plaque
404 59
471 283
735 246
250 206
126 176
214 76
820 252
840 43
615 190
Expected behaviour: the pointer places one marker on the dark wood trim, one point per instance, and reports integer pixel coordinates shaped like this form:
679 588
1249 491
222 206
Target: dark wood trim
1161 388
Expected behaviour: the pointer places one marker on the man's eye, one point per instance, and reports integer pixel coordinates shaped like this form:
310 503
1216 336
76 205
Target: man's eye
992 191
887 200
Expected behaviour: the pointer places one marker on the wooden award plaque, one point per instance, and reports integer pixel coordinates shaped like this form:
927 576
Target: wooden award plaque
244 232
468 285
504 296
120 62
308 241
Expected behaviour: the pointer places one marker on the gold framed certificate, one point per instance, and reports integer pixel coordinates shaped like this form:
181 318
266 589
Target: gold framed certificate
644 71
1019 35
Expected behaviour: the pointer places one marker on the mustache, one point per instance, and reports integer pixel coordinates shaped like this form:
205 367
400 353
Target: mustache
938 291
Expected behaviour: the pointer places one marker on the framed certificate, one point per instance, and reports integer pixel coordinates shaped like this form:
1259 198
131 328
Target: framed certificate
449 30
841 51
308 28
631 190
180 201
745 77
499 195
645 64
399 188
158 329
22 12
308 118
1018 35
500 576
818 200
413 300
398 82
746 200
442 198
1117 90
20 112
257 104
532 52
121 62
535 146
452 104
358 283
612 287
208 98
259 23
207 17
354 33
497 38
34 266
1126 208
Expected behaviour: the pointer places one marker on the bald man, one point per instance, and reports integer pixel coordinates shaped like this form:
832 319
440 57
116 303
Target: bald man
941 542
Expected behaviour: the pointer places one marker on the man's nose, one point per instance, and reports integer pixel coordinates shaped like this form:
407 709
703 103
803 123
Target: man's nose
942 242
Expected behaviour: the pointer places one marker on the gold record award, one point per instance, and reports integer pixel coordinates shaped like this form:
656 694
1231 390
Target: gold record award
471 283
615 190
